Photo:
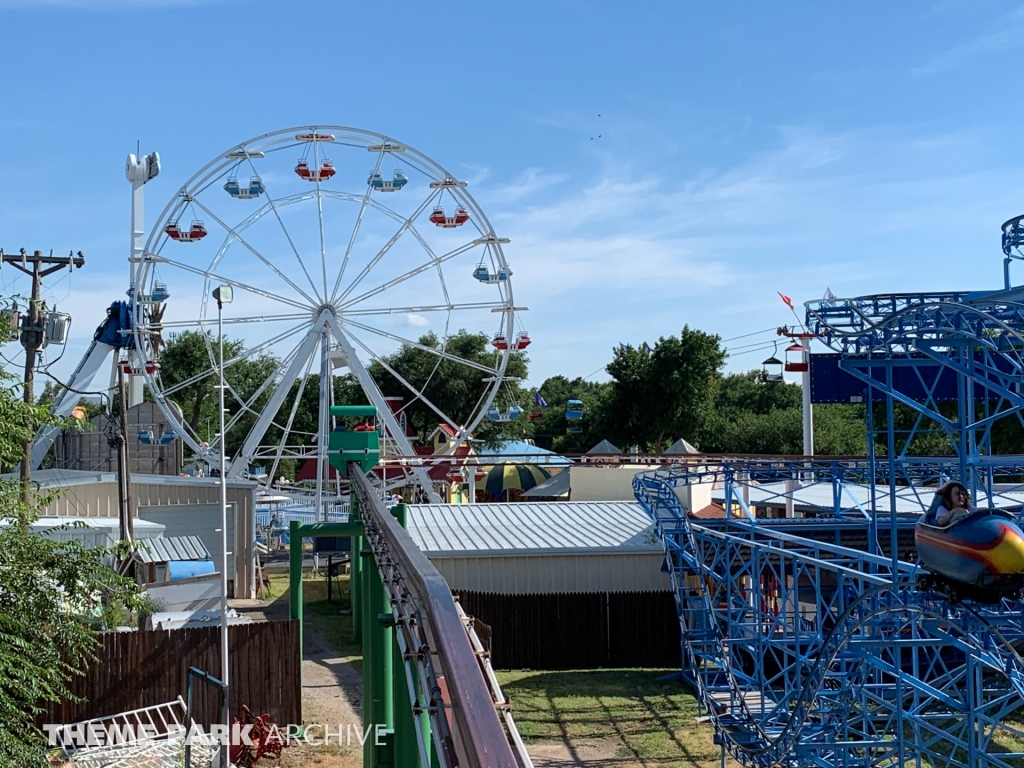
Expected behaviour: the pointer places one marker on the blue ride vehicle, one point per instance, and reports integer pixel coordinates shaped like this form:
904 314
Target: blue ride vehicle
968 552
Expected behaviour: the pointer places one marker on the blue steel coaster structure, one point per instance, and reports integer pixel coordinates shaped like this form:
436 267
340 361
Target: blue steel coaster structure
819 640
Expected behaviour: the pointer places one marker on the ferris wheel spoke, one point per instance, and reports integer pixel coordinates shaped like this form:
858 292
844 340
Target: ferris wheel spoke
320 217
437 261
488 305
287 429
213 276
423 347
301 357
231 361
288 236
205 324
238 238
404 382
387 247
247 406
355 230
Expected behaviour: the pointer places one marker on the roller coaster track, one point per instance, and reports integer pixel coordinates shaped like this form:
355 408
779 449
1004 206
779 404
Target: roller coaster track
873 672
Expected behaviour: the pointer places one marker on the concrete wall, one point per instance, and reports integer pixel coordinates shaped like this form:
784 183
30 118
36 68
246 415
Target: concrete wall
524 574
615 483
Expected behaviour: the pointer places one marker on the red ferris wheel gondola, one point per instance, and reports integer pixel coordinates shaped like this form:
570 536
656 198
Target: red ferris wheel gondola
439 218
195 232
323 173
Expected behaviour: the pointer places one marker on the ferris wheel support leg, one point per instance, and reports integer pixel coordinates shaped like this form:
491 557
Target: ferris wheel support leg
383 409
241 461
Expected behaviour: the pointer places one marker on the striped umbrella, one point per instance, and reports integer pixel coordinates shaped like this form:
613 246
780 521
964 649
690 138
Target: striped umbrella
505 477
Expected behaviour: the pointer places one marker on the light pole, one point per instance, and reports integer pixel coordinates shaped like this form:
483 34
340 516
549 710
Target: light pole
223 295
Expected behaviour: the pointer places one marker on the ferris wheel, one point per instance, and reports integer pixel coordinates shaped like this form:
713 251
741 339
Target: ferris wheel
342 247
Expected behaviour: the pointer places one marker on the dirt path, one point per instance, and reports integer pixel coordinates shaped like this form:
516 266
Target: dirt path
332 688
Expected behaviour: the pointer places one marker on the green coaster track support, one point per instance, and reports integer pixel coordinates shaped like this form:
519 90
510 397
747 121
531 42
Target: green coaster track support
372 620
398 601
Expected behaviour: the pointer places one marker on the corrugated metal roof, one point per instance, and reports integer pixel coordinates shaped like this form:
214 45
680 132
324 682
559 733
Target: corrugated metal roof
556 485
60 478
174 548
532 527
909 499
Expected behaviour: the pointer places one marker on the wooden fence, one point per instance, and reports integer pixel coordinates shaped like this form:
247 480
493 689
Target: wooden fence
140 669
579 631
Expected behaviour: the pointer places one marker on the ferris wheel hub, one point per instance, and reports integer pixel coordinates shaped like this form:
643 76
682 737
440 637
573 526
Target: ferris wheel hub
331 308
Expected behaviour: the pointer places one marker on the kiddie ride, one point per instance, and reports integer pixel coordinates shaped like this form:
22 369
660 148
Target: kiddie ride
824 621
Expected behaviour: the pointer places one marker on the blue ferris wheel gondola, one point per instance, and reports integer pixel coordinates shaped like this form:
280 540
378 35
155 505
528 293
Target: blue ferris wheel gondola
254 189
380 184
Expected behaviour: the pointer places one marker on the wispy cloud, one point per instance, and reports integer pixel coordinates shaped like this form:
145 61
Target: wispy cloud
633 258
529 182
1007 33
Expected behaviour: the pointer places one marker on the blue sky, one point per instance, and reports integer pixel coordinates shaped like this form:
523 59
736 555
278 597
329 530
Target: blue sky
654 164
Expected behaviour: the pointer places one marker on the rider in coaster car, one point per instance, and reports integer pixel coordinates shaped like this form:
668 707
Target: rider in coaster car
951 502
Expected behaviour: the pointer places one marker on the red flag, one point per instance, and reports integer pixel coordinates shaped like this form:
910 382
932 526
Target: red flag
786 299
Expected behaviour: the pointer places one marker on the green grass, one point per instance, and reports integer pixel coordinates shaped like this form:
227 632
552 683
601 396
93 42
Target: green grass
650 719
331 620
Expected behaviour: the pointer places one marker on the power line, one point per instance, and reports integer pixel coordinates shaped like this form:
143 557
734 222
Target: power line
754 333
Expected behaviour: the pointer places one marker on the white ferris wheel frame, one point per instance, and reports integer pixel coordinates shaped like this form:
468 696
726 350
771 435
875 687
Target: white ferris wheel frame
316 315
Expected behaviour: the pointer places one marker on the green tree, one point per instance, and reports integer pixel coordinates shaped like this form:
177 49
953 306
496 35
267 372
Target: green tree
187 356
454 388
751 415
54 596
664 393
839 430
550 427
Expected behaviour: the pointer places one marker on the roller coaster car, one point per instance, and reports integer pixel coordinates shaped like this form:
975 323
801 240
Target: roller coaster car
979 555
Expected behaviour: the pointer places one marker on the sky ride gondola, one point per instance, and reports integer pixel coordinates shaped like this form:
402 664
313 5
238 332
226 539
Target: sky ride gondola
772 367
796 359
573 415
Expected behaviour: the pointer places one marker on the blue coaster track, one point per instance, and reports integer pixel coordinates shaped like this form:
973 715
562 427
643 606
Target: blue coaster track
815 639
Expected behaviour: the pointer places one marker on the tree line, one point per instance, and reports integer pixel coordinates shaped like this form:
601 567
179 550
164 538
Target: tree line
675 388
656 394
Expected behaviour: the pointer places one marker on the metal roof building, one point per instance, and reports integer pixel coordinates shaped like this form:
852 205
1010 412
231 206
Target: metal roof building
174 548
541 547
182 505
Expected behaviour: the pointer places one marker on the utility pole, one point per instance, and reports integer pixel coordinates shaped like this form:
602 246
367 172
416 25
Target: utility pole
124 477
33 334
